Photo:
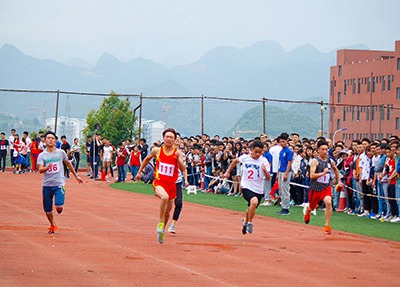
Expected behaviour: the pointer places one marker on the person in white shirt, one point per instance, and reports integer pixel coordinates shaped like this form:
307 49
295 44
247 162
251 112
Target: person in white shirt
255 168
11 142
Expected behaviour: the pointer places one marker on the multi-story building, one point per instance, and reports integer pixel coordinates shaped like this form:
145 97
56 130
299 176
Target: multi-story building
152 130
70 127
364 96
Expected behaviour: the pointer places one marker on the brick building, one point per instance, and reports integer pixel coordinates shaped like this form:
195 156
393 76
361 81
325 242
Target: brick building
364 97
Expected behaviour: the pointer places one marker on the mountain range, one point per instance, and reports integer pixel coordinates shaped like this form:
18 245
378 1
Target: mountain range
264 69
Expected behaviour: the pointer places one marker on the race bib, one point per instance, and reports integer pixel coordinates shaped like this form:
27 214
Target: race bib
54 168
166 169
324 179
2 147
252 174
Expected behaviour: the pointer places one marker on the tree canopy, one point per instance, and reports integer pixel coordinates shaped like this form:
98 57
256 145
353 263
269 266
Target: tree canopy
114 117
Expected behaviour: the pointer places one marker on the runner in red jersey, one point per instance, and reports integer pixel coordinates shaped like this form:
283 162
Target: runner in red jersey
168 160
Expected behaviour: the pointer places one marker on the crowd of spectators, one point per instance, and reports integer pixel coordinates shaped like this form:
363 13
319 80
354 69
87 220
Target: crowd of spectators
369 169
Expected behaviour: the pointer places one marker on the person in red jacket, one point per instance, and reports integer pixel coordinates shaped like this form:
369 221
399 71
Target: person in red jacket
35 151
135 161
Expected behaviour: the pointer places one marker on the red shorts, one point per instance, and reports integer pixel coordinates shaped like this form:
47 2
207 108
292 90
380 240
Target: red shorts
314 197
169 187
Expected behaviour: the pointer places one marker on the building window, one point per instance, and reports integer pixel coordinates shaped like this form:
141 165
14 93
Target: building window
354 86
359 86
339 97
367 113
388 112
372 113
397 123
373 84
344 114
352 114
338 124
383 83
358 113
398 64
382 110
345 87
368 85
390 82
340 71
397 93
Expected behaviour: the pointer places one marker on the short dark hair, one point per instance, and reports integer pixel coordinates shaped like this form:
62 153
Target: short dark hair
50 133
284 136
3 133
321 143
257 143
63 137
170 130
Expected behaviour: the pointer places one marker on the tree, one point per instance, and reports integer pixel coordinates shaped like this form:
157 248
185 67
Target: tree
115 119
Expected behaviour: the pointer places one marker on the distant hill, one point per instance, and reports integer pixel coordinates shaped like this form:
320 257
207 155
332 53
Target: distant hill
264 69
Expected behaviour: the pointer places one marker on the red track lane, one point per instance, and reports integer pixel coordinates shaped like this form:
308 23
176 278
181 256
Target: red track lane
107 237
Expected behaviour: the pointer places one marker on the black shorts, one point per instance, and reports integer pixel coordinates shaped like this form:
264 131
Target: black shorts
248 195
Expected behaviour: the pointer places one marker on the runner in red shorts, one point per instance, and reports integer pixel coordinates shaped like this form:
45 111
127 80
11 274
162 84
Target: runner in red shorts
320 184
168 160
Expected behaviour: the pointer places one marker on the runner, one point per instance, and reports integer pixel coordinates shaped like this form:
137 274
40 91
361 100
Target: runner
320 184
168 160
254 168
50 162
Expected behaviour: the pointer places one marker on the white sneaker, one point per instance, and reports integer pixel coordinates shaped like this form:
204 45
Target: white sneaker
389 218
171 229
395 219
314 212
365 213
266 203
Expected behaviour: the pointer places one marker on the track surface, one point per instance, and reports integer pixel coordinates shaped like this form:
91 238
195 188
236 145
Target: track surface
107 237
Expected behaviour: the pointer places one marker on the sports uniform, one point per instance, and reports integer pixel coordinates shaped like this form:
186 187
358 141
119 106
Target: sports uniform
166 171
320 187
53 179
253 176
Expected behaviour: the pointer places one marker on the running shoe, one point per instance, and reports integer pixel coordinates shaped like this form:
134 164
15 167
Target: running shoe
244 227
171 229
266 203
52 229
283 212
327 230
307 218
160 232
59 210
250 227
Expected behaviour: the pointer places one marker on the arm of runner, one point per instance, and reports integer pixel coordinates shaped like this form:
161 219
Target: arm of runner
337 175
147 159
185 178
267 174
233 164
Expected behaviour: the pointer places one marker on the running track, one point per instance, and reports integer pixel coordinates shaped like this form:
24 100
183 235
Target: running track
107 237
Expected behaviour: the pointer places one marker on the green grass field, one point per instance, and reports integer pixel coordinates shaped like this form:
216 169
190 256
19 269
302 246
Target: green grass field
340 221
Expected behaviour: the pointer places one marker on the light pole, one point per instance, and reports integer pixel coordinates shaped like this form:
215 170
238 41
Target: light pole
322 118
334 134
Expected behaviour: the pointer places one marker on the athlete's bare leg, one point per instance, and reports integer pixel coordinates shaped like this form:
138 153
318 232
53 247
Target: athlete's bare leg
328 210
251 210
50 218
163 195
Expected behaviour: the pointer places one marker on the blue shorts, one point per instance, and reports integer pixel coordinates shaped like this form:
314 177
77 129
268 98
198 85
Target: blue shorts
48 193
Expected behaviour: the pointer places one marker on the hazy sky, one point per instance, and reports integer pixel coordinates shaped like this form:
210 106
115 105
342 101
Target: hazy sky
180 31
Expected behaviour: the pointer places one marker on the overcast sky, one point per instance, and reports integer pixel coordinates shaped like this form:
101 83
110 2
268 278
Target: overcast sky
180 31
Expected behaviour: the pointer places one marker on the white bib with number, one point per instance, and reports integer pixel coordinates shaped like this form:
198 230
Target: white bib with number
166 169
